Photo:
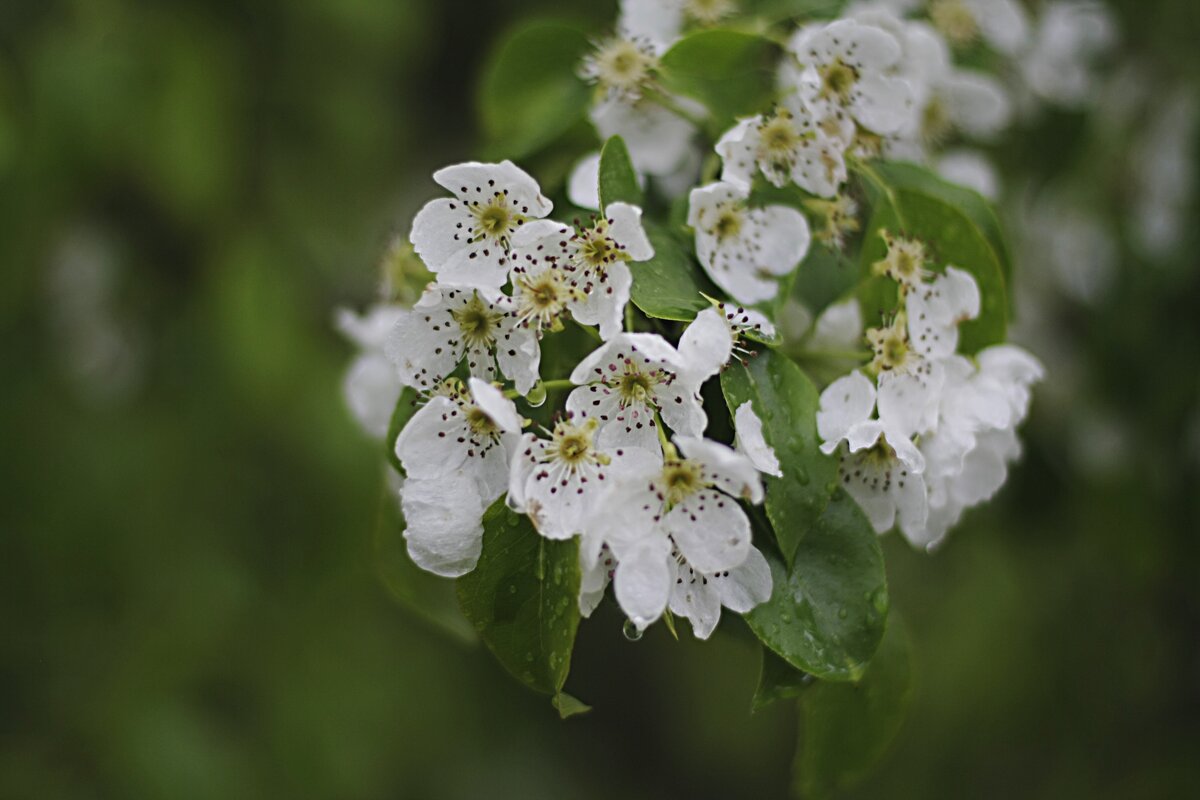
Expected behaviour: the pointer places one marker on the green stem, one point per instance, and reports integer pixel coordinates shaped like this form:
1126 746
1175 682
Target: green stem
550 386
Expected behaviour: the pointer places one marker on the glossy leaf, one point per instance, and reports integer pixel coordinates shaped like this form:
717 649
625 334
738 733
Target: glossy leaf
953 238
827 614
732 73
778 680
618 179
670 285
530 93
522 599
846 728
786 401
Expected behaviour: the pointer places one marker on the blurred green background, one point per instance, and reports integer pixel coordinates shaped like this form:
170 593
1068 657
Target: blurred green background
192 603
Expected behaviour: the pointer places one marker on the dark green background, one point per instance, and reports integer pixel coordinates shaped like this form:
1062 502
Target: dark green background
191 605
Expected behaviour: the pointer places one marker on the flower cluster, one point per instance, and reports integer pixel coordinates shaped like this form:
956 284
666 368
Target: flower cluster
625 462
931 432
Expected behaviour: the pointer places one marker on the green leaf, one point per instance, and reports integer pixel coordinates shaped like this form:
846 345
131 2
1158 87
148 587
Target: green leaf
926 209
429 597
530 93
778 680
910 177
732 73
670 285
827 615
774 10
618 178
569 706
846 728
522 598
786 401
406 406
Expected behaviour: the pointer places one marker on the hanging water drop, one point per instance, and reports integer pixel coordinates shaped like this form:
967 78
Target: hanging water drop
631 631
537 395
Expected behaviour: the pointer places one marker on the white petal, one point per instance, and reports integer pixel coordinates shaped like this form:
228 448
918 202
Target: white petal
696 597
746 585
751 442
710 529
605 303
472 180
657 139
977 104
519 355
706 345
883 103
428 446
643 583
681 407
443 523
595 366
626 229
492 402
1003 24
784 237
737 147
839 328
583 186
371 388
845 403
369 331
908 402
421 343
726 468
436 234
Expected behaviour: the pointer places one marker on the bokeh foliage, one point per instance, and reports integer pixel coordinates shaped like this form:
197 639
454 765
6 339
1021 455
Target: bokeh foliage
193 603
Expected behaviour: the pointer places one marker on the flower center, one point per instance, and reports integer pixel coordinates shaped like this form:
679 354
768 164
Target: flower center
904 262
837 80
956 22
708 12
622 65
936 125
478 322
729 222
481 424
635 386
779 136
571 445
543 298
681 478
891 346
595 249
495 220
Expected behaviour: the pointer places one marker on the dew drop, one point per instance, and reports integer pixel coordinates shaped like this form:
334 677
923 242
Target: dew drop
879 600
631 631
537 395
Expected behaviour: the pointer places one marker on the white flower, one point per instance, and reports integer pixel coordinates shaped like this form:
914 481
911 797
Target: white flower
450 322
967 456
558 269
1003 24
909 382
839 328
971 169
846 414
455 454
936 309
747 322
681 522
787 146
699 596
465 240
750 442
371 386
656 21
1071 37
659 140
583 185
743 249
625 381
848 66
557 481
